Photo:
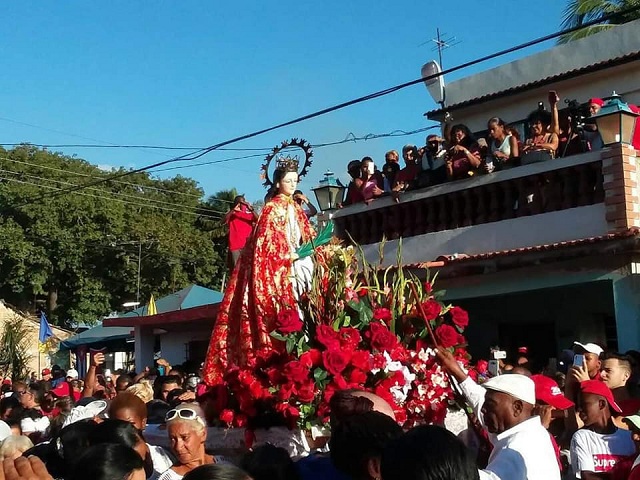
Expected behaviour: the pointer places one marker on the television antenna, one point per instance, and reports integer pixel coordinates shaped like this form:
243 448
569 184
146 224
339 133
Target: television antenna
442 42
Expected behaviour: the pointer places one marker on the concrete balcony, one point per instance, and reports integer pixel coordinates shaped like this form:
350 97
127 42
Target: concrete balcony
560 200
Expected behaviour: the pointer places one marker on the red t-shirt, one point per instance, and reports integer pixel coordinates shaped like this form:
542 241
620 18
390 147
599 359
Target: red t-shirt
240 227
636 133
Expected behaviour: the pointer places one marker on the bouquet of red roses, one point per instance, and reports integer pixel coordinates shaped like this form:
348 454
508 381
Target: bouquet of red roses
363 329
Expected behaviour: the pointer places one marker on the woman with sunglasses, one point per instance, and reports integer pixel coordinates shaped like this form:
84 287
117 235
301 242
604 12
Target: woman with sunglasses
187 432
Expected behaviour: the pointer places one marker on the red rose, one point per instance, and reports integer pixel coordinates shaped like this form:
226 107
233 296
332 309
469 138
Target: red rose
357 377
335 361
459 317
240 420
274 375
383 314
288 321
328 337
227 416
311 358
362 292
482 366
447 336
296 372
361 359
256 390
379 361
349 338
428 288
431 309
285 391
306 393
381 338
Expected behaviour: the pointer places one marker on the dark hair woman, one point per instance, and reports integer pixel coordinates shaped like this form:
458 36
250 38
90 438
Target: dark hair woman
542 144
428 452
503 147
463 157
216 472
108 461
357 444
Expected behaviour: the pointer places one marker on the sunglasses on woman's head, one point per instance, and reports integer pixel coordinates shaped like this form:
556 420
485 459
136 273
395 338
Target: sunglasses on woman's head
185 414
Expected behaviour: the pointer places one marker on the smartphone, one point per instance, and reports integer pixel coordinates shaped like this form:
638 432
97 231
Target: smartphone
494 368
578 360
161 370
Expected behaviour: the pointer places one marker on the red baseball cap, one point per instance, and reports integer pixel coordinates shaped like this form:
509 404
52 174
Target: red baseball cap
46 371
61 390
597 101
597 387
547 391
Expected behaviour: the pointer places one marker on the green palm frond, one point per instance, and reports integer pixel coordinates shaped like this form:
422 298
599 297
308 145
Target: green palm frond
323 238
579 12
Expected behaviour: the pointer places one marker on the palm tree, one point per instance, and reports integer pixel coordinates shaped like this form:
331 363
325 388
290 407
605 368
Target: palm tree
579 12
216 205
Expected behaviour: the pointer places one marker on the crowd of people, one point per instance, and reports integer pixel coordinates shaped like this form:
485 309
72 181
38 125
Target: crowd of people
525 420
459 154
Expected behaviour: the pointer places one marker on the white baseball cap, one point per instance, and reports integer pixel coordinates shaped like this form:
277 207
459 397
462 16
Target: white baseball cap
73 373
590 347
514 384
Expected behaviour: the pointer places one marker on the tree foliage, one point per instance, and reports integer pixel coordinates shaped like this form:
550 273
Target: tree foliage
14 355
579 12
77 253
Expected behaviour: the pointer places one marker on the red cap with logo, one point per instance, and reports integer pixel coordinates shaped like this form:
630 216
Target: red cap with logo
547 391
597 101
596 387
46 371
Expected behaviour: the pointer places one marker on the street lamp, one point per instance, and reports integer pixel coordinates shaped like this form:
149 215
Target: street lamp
329 192
616 121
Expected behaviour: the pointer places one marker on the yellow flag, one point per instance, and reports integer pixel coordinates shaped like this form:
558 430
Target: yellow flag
151 307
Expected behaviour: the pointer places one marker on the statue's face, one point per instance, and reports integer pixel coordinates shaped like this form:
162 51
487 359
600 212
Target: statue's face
288 184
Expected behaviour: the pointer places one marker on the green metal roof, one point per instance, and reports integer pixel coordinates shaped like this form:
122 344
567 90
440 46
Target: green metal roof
189 297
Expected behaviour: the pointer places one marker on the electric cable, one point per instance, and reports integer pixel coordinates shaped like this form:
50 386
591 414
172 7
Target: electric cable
199 153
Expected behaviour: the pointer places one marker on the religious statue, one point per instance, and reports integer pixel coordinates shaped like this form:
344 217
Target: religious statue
268 277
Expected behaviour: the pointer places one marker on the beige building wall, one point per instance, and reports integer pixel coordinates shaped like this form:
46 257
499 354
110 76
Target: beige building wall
38 359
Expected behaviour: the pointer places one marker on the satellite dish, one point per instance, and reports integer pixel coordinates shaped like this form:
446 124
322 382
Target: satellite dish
434 85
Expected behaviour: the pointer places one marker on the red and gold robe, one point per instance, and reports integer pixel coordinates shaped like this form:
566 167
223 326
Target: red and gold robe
259 287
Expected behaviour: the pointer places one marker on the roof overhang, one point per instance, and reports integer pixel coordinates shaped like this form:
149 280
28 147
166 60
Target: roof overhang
592 68
201 314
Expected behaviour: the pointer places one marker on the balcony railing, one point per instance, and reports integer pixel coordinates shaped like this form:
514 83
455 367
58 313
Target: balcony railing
528 190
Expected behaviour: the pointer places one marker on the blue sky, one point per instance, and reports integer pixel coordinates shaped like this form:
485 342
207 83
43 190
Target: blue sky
194 73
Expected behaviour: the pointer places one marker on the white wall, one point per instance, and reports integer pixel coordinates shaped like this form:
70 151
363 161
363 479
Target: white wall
564 225
613 43
174 344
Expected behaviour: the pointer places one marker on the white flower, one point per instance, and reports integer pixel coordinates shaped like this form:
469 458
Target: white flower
398 391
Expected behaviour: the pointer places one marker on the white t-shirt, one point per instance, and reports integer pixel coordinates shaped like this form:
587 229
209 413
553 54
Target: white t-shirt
594 452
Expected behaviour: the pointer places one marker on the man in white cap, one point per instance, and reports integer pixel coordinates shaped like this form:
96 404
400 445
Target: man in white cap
522 449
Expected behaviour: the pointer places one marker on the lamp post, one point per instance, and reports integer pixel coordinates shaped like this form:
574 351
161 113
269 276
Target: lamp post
329 194
616 121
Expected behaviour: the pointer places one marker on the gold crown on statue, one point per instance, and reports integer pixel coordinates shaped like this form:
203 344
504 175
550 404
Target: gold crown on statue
287 164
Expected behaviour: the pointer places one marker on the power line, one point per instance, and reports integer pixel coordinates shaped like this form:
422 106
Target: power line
136 197
141 205
350 138
197 154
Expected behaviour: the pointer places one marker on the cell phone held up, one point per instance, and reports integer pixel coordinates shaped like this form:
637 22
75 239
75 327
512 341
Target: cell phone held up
578 360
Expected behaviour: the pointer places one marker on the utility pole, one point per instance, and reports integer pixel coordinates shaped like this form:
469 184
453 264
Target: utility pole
139 267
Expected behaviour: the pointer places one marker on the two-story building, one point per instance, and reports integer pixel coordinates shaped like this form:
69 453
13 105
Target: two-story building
541 254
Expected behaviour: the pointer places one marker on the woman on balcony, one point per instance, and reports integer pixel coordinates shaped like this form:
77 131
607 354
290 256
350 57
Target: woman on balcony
370 181
503 147
542 144
463 158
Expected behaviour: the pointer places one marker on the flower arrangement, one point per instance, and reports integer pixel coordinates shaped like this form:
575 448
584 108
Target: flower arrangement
358 327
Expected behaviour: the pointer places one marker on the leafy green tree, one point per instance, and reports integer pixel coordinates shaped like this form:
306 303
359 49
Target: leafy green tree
579 12
77 254
14 355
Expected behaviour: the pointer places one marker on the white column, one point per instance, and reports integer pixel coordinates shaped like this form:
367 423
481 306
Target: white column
144 341
626 300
